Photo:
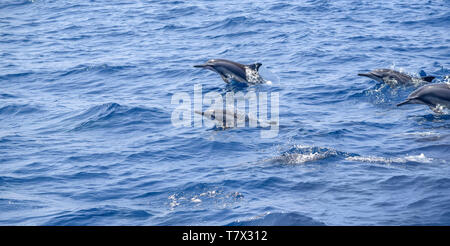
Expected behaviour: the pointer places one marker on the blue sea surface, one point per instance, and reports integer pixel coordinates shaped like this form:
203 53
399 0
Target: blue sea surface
86 136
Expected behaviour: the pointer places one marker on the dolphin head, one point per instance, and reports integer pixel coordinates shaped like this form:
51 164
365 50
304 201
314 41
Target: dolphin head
407 101
412 100
209 113
373 75
210 65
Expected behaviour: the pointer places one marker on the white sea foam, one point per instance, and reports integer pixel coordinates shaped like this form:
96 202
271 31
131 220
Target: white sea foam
423 134
305 154
375 159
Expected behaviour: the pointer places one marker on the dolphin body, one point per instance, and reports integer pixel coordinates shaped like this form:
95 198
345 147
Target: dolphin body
233 71
433 95
229 119
393 77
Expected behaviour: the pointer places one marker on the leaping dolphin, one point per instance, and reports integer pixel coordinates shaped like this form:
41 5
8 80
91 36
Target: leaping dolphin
433 95
393 77
233 71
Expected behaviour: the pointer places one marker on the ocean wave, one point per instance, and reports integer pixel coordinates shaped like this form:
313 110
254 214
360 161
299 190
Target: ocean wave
279 219
421 158
99 68
7 96
205 198
202 195
231 23
441 20
14 3
19 205
300 154
114 116
19 109
102 215
15 75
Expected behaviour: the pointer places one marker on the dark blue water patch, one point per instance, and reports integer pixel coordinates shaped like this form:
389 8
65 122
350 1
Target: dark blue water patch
309 186
104 195
113 116
99 216
19 205
100 69
86 176
433 117
184 11
439 148
11 181
234 22
12 3
442 19
18 109
280 6
15 76
93 157
234 35
280 219
7 96
155 156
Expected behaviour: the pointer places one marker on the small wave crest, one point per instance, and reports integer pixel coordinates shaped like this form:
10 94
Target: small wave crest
18 109
396 160
192 196
300 154
114 115
97 68
279 219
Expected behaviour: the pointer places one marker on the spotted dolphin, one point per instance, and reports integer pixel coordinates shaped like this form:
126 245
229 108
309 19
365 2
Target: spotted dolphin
433 95
232 118
233 71
393 77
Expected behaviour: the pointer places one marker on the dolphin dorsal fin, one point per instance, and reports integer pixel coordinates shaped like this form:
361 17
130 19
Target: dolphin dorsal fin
255 66
428 78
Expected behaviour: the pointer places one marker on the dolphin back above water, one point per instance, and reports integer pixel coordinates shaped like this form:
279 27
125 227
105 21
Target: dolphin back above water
233 71
393 77
433 95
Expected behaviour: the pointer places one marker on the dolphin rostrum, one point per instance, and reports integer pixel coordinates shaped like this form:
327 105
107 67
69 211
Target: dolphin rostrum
434 96
393 77
233 71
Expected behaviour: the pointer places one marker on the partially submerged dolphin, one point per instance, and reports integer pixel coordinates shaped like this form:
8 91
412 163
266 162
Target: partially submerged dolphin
229 119
433 95
233 71
393 77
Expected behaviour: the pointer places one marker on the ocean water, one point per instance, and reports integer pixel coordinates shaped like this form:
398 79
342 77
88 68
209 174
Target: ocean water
86 136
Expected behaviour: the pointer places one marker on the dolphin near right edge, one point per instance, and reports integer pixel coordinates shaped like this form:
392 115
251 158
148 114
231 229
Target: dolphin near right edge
433 95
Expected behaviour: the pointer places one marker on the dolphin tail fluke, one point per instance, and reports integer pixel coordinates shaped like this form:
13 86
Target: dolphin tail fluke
404 102
428 78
